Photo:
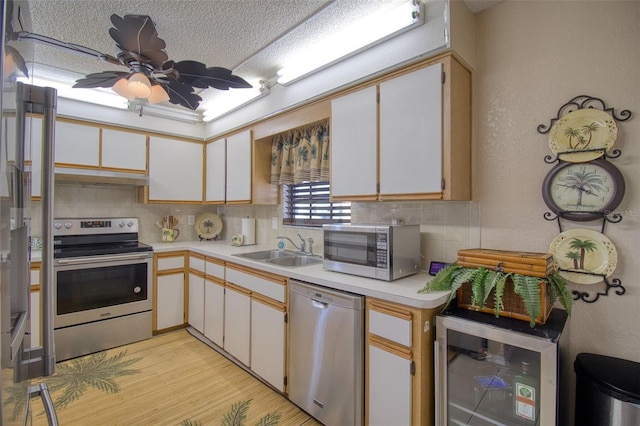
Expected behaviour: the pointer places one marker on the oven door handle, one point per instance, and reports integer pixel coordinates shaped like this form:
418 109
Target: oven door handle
87 259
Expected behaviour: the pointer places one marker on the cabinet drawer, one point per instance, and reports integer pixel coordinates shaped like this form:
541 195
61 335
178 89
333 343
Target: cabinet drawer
35 276
214 268
391 323
171 262
273 288
196 263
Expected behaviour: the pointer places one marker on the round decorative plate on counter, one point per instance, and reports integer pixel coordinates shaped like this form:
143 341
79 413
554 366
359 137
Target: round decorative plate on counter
583 135
584 256
208 226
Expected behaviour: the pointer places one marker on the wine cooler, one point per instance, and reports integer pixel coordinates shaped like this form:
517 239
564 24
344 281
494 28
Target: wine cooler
500 371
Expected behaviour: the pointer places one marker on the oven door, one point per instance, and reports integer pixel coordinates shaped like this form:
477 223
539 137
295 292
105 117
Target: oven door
88 289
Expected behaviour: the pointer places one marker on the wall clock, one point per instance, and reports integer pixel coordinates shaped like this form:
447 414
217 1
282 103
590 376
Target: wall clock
583 191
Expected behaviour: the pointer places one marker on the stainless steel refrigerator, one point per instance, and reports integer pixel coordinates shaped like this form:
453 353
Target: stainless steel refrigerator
22 142
500 371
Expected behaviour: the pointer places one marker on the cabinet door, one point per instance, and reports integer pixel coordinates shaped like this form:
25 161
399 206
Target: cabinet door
34 319
77 145
237 324
175 170
216 157
411 133
170 301
214 312
389 388
196 302
239 167
268 335
354 142
124 150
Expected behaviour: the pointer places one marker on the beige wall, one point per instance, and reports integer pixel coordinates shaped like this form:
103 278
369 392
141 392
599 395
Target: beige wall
531 58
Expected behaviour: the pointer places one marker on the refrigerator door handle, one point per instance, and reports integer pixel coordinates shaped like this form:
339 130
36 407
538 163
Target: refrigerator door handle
42 390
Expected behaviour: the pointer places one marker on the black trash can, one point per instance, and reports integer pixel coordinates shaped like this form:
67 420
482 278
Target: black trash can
607 391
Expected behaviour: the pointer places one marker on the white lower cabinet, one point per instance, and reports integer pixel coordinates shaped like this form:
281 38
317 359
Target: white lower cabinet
268 334
389 387
35 319
237 323
196 302
170 300
214 312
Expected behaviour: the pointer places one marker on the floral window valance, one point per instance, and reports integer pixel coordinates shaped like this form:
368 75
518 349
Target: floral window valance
301 155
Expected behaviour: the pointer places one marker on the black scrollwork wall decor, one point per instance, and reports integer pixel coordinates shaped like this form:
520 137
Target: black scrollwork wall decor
584 185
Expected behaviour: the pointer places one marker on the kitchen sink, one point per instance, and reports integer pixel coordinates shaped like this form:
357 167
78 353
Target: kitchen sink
268 254
288 258
299 260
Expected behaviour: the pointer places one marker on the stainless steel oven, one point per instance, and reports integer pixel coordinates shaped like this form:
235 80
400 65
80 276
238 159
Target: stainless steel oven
102 285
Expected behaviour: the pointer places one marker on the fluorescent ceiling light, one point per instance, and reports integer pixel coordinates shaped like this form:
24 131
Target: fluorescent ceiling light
225 102
179 114
93 96
365 33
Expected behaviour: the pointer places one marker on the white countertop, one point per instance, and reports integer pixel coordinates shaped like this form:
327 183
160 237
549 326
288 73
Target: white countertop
404 290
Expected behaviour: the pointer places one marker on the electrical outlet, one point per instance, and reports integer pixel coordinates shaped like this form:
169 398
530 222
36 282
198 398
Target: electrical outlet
274 223
191 219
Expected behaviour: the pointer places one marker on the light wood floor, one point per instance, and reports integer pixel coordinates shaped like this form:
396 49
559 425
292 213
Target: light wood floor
170 379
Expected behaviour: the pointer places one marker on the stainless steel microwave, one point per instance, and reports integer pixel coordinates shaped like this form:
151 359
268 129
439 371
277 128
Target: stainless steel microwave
383 252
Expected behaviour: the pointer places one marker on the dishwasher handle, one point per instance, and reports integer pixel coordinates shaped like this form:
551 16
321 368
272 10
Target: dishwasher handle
319 305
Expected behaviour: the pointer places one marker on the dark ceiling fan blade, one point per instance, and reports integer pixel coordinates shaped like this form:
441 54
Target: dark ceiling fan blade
99 79
198 75
182 94
137 34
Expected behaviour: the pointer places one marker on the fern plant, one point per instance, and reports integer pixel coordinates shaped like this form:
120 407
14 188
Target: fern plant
483 281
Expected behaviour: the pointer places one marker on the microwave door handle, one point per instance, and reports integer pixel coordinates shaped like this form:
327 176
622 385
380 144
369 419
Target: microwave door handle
87 259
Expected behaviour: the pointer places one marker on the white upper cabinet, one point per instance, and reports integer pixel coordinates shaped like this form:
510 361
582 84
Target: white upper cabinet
413 143
239 167
77 145
124 150
411 133
354 144
175 170
216 181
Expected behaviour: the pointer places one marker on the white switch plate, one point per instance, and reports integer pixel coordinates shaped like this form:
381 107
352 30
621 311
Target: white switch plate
274 223
191 219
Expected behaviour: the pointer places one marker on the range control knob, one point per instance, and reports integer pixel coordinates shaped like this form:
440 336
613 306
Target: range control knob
57 225
121 224
68 225
130 224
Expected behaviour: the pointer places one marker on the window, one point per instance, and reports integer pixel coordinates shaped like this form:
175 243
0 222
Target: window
307 204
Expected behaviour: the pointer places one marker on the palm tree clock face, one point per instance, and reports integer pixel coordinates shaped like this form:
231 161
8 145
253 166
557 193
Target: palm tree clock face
583 191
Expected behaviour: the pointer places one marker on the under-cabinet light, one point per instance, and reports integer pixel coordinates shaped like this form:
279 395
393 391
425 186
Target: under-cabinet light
94 96
364 34
233 99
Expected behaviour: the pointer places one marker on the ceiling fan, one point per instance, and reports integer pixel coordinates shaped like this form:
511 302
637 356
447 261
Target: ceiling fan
151 74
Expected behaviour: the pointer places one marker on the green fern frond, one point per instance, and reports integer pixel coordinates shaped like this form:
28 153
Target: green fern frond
478 287
270 419
442 280
528 288
501 283
560 290
237 414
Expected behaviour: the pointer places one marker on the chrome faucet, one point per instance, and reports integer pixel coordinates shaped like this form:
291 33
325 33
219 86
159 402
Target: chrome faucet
303 243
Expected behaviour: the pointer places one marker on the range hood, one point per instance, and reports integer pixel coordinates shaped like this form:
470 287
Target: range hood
100 177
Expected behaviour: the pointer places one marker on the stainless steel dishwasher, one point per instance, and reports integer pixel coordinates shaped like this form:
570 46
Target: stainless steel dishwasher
326 332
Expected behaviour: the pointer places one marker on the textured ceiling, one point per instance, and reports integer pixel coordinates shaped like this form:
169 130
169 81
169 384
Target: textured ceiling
254 38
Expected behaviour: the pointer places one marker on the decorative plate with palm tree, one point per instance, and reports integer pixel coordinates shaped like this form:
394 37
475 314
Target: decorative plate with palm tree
583 191
583 135
208 226
584 256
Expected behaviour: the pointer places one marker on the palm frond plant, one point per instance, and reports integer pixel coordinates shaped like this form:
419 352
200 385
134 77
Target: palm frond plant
483 281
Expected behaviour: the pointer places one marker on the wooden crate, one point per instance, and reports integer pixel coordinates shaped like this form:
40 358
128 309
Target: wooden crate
523 263
512 303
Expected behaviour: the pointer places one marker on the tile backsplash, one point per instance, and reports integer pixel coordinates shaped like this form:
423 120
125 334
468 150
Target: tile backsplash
445 226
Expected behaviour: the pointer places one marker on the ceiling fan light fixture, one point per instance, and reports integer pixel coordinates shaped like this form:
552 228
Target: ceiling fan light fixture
139 85
158 94
122 88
